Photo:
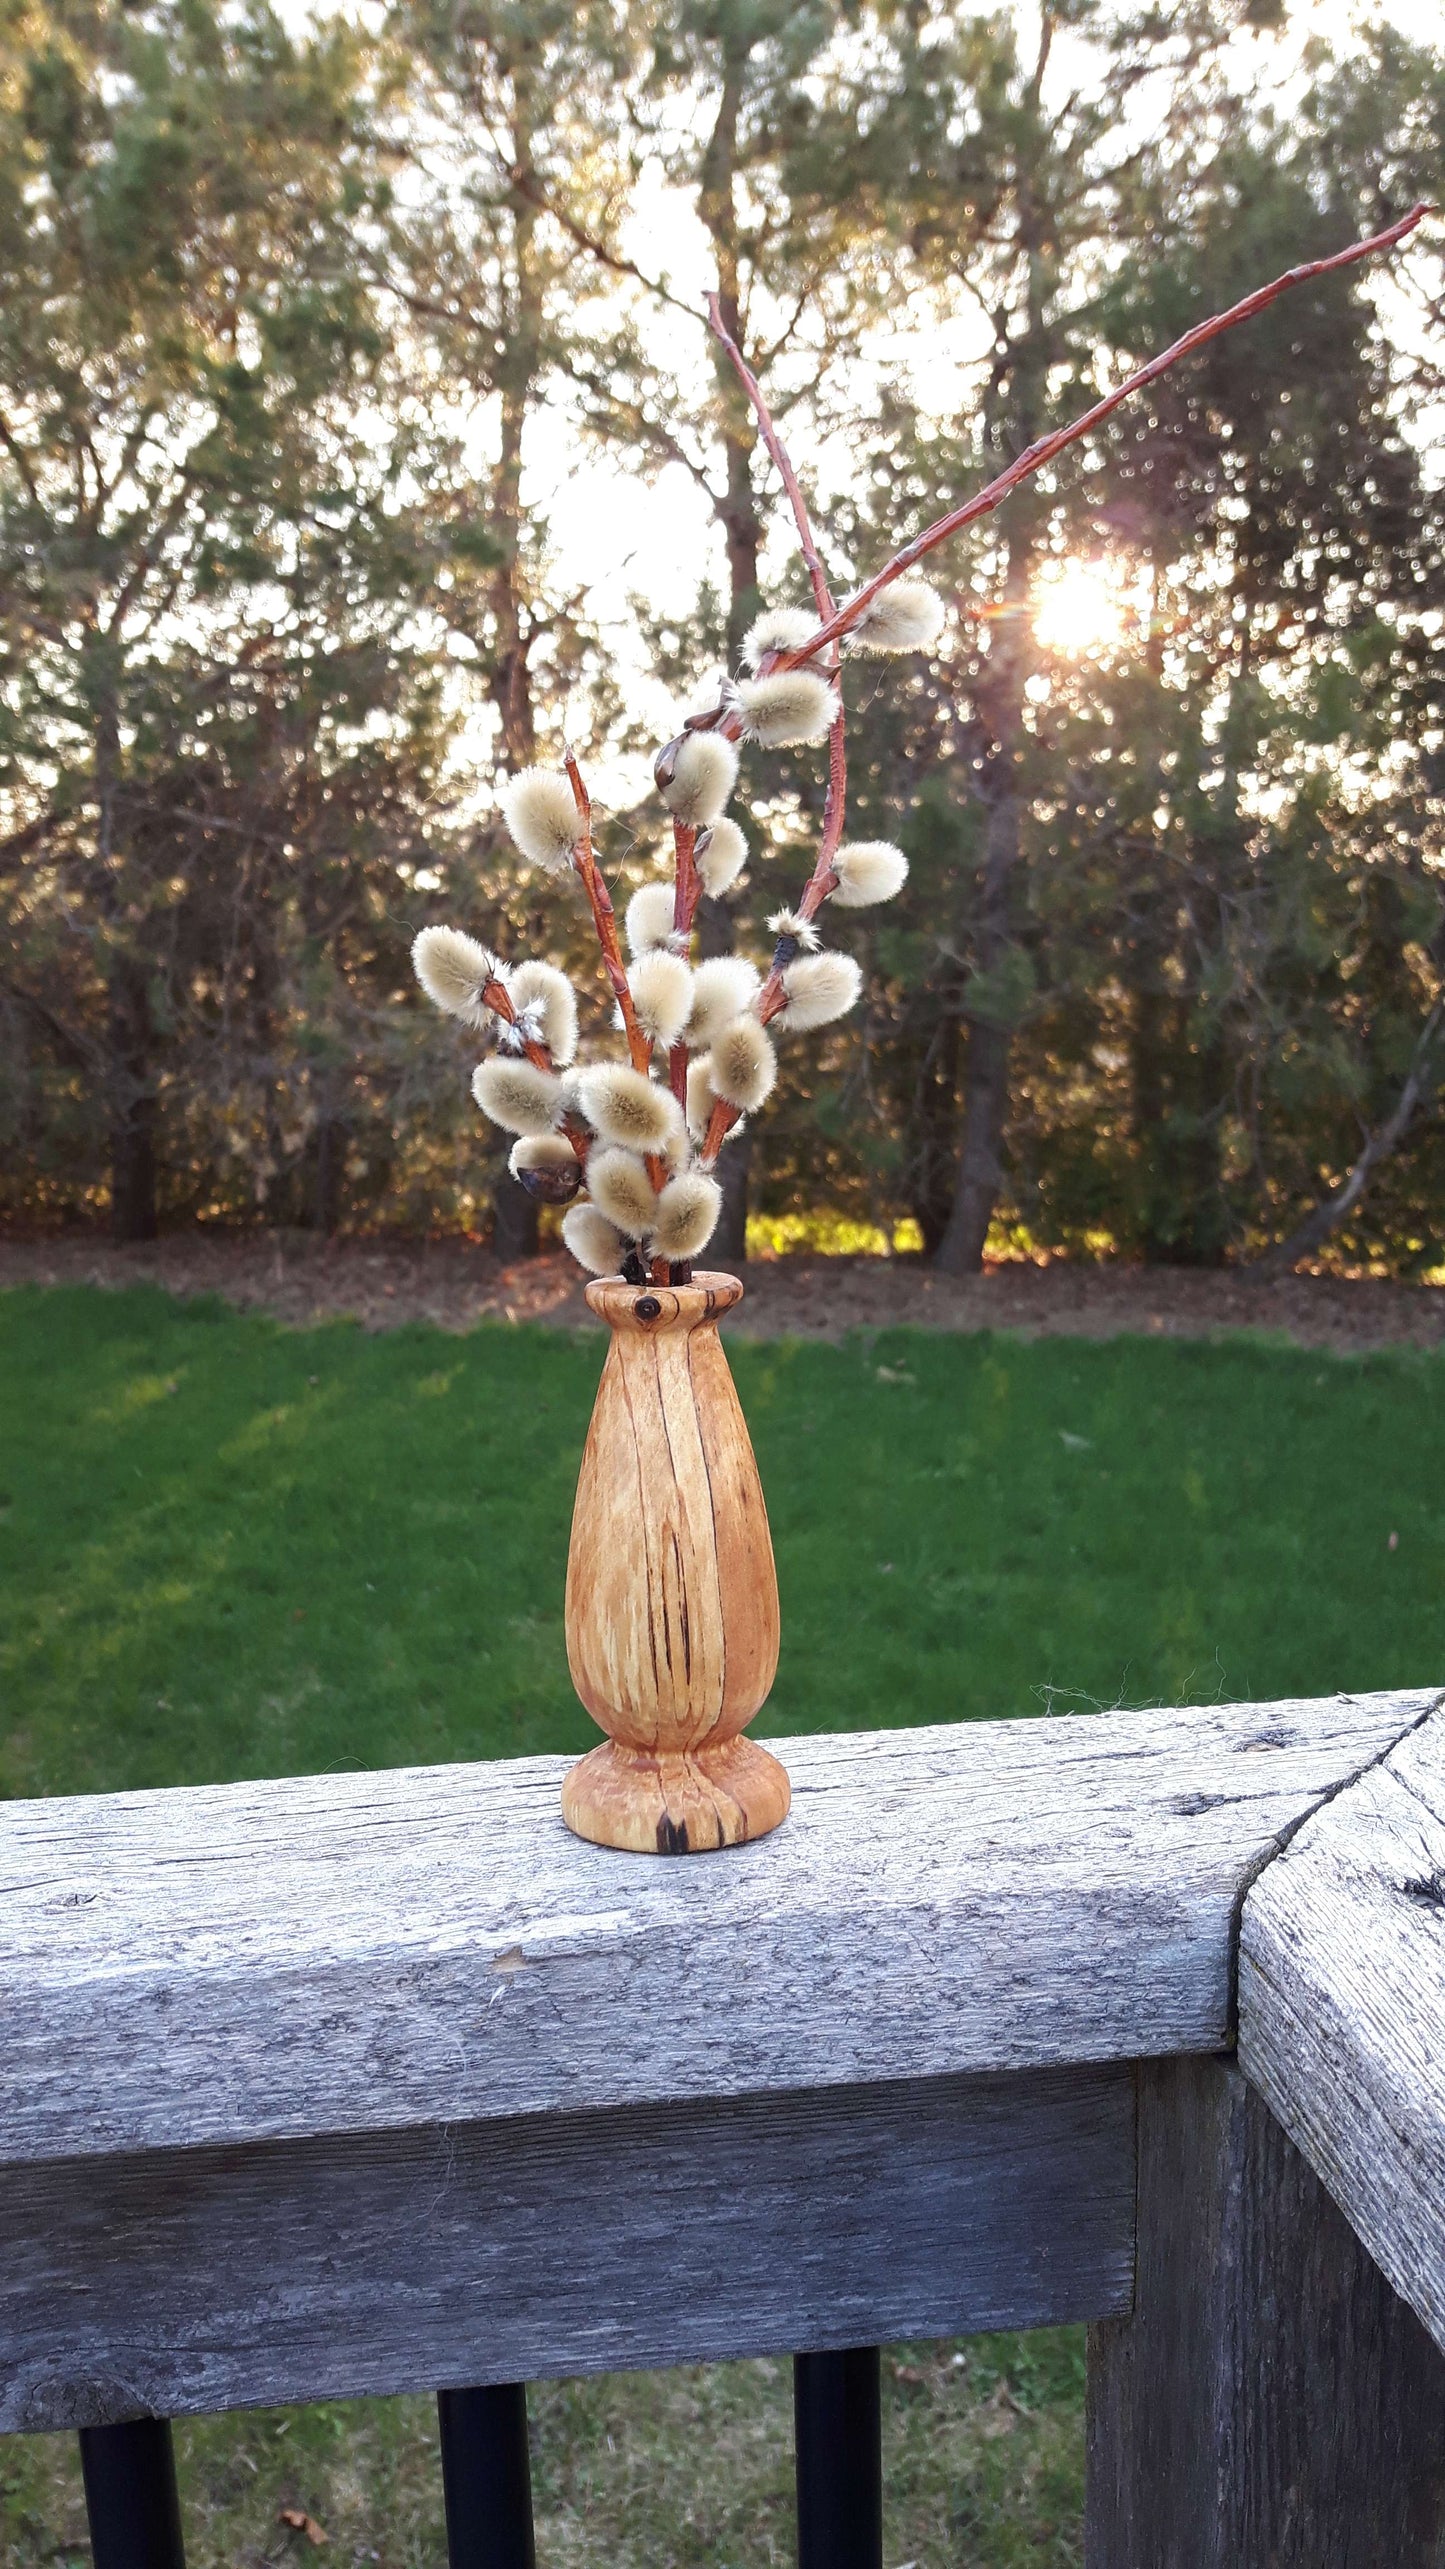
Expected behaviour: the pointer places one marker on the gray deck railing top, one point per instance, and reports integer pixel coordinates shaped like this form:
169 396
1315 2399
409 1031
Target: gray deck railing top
367 2083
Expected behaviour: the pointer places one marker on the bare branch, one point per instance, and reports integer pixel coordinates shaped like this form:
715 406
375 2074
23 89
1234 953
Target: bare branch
1386 1139
1044 449
822 879
527 186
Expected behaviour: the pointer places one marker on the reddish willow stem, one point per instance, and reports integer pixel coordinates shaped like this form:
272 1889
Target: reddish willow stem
498 998
686 879
687 891
822 880
604 919
1045 448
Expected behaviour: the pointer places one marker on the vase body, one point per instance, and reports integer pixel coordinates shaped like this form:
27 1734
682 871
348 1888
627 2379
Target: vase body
672 1598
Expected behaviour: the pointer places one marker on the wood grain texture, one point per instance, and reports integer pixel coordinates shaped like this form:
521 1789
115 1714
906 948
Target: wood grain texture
367 1952
672 1597
1270 2403
1342 2008
210 2279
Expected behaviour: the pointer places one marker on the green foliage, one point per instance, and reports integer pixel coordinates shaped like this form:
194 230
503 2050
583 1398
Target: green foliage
282 316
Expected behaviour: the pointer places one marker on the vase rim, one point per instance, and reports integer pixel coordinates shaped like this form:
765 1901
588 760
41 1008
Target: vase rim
649 1308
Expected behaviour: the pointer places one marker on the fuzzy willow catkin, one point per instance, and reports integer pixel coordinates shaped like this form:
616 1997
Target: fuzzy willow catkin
648 918
777 629
548 992
721 853
818 988
622 1105
547 1166
868 870
517 1095
541 1151
742 1064
701 1096
685 1215
661 985
621 1188
704 775
788 709
792 924
453 969
594 1242
721 989
907 616
542 819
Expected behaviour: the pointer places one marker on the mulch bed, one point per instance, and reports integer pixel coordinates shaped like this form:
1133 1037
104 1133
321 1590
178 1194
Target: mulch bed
453 1284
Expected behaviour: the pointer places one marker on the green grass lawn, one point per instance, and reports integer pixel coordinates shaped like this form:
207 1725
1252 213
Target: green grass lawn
229 1549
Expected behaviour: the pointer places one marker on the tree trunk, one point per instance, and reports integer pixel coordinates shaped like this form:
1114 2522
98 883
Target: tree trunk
990 1031
1177 1083
132 1104
130 1030
514 1221
509 676
980 1164
1025 349
934 1127
328 1172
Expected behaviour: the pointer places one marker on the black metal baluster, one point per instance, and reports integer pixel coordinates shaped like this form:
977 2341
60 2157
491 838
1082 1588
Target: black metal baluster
130 2495
487 2477
838 2426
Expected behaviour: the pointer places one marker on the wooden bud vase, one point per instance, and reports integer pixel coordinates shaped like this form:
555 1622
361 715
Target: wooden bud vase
672 1598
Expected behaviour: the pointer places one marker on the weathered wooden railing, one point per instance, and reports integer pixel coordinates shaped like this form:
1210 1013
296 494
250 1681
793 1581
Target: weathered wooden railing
371 2082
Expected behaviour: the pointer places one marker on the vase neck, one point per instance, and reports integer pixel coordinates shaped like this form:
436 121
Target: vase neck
649 1310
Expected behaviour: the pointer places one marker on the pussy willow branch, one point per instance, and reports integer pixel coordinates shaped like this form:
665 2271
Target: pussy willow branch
838 621
497 997
687 882
822 879
1045 448
604 919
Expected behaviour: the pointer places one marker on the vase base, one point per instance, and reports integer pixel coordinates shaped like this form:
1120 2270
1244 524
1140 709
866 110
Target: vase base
655 1804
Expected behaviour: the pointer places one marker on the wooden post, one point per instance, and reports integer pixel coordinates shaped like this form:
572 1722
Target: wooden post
1271 2403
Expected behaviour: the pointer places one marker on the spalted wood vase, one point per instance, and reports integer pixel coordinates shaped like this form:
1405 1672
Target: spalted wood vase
672 1598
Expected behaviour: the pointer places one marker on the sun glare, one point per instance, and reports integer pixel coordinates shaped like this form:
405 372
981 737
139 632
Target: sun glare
1078 608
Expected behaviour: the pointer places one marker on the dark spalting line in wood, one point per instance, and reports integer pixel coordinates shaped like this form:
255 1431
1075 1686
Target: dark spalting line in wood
684 1626
699 1394
671 1531
614 1357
